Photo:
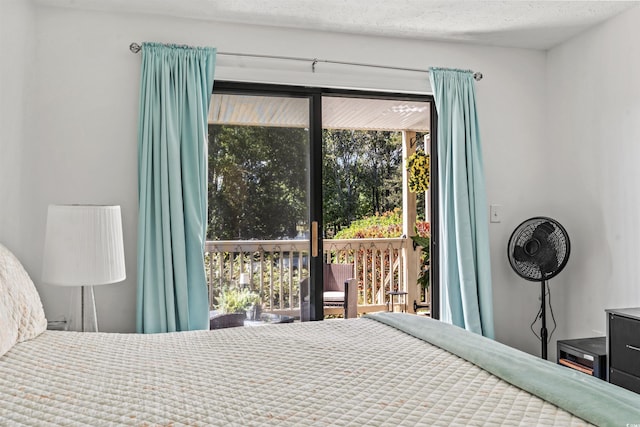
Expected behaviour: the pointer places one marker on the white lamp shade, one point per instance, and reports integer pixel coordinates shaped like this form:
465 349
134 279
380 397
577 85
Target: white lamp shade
83 245
244 279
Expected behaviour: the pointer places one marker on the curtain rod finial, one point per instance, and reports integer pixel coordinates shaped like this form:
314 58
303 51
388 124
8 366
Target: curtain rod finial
135 47
477 76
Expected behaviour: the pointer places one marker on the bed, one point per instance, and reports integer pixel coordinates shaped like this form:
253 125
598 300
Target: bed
386 369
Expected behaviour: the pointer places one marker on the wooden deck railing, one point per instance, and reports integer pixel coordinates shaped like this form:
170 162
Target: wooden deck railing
276 268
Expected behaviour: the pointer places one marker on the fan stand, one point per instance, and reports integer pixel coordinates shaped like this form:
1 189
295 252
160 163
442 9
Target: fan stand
543 317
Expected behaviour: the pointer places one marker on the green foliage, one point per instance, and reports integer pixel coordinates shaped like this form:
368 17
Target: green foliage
258 179
257 182
387 224
362 175
234 300
422 238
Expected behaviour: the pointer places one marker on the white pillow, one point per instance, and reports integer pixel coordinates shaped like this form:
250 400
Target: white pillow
21 312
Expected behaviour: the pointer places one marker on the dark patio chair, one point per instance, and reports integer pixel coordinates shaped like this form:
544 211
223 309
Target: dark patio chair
340 289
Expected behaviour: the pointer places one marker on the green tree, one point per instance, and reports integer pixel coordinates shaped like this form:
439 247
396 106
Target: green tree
257 181
361 175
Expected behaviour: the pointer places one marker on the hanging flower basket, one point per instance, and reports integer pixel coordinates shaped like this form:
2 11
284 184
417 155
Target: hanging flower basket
418 166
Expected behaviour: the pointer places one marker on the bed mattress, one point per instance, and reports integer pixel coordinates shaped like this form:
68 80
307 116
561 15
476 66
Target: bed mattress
338 372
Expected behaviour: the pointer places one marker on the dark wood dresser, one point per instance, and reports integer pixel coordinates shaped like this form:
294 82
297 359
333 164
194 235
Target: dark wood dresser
623 347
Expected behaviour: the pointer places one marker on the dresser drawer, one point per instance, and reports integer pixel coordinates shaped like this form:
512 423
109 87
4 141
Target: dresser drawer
624 344
624 380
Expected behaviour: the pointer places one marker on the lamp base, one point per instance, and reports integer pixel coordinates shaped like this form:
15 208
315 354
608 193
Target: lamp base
93 307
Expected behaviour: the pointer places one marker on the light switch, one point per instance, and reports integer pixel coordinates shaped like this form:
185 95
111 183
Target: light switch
495 213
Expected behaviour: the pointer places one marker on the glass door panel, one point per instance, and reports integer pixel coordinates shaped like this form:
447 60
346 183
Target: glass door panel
257 248
368 210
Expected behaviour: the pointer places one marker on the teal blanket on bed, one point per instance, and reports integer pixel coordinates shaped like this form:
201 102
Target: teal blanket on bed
589 398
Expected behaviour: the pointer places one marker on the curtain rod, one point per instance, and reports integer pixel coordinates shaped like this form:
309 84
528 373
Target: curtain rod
135 48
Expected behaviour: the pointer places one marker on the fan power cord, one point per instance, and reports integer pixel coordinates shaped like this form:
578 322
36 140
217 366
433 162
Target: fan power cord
539 315
555 325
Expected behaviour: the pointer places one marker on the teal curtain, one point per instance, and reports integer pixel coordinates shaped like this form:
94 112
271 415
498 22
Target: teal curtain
175 90
465 272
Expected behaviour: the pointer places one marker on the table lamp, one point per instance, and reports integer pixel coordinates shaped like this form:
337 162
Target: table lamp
244 280
83 247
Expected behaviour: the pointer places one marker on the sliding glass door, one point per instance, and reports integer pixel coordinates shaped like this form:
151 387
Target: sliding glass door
258 238
369 210
302 179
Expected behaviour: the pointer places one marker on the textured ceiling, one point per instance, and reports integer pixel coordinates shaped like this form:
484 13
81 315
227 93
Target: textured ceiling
527 24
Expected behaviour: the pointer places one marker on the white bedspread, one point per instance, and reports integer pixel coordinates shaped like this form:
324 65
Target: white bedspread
337 372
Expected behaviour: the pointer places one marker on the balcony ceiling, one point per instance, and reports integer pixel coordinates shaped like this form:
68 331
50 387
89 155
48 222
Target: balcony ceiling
337 112
526 24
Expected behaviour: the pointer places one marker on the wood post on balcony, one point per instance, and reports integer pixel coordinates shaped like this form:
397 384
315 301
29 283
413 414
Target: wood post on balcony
409 213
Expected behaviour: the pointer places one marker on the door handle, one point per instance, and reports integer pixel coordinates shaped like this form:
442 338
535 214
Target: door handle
632 347
314 239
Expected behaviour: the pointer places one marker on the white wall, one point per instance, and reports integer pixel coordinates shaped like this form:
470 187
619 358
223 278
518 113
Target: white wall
592 145
17 45
83 127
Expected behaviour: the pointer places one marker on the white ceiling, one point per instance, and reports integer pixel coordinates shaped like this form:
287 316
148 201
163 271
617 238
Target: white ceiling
527 24
337 112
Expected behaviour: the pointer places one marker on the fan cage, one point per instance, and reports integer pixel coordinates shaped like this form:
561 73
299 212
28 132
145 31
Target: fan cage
559 239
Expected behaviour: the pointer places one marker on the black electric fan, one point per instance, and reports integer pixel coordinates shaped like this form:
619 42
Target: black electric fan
538 250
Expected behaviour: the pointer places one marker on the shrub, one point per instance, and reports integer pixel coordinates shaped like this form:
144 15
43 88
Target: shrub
386 224
236 300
